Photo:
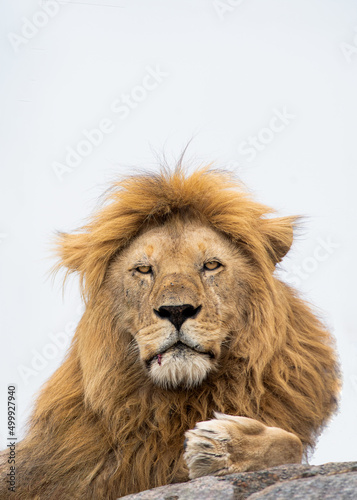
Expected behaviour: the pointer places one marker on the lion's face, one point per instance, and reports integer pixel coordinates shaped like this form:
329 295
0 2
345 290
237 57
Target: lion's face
176 289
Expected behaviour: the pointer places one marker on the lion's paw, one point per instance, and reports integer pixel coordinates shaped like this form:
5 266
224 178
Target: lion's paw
229 444
206 450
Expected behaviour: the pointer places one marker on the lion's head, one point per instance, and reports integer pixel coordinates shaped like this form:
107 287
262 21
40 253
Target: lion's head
183 260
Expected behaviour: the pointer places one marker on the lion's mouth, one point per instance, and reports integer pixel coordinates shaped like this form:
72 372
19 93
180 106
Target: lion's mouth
178 350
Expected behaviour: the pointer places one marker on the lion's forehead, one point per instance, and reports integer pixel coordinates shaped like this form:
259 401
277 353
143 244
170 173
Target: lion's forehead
186 240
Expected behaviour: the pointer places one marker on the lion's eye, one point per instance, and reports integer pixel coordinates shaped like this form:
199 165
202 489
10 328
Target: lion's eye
212 265
144 269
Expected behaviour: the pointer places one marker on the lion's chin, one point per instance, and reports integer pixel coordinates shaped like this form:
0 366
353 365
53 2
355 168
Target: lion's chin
183 369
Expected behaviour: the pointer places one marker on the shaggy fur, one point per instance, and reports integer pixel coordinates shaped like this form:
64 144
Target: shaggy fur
101 428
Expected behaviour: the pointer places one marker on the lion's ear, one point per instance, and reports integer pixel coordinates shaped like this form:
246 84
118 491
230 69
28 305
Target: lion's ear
82 253
278 233
72 250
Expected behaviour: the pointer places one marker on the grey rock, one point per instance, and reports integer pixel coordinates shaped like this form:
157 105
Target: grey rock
208 487
341 486
298 482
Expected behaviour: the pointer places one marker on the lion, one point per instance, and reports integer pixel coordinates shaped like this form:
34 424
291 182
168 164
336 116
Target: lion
191 358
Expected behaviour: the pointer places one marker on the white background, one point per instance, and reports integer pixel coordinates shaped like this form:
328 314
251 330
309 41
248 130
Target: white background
227 68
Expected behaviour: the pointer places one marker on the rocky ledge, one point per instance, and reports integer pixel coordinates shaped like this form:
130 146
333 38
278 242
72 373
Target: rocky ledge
300 482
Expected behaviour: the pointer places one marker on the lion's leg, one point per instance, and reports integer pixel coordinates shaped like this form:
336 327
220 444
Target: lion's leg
230 444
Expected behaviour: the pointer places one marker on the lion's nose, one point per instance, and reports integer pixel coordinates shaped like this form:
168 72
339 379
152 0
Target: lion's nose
177 314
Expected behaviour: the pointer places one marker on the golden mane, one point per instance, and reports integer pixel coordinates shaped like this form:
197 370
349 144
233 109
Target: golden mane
100 417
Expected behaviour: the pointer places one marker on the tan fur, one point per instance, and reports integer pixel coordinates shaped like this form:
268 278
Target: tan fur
229 444
109 422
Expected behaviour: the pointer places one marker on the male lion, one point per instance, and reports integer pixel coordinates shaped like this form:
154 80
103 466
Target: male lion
185 327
